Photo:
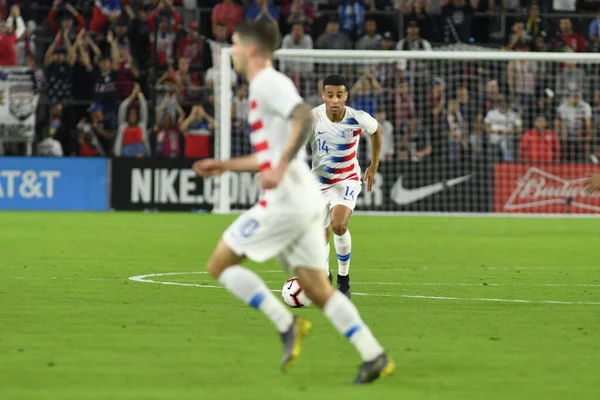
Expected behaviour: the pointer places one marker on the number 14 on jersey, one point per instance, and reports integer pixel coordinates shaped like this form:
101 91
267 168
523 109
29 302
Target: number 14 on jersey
322 145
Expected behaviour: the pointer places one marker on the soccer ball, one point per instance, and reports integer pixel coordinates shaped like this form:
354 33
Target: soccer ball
293 295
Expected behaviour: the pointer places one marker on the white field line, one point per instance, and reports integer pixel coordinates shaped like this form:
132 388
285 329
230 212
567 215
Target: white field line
147 279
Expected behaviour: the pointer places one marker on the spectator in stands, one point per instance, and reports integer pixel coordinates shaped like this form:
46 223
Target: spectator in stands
352 17
170 105
594 34
59 73
415 140
65 16
567 39
467 106
49 147
436 102
261 10
127 73
132 137
519 38
332 38
371 39
297 39
540 143
55 135
387 138
163 43
574 126
415 71
298 12
316 98
25 46
535 25
241 103
198 128
94 139
167 13
417 11
521 77
105 89
541 45
105 11
168 140
458 15
227 13
404 105
456 132
37 74
121 33
139 34
9 36
365 91
501 125
191 45
571 78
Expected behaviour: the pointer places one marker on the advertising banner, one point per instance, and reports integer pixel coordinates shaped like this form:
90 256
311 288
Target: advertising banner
544 188
165 184
68 184
18 104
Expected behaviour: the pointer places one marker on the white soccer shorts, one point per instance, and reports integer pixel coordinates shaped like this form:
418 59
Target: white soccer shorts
295 239
344 193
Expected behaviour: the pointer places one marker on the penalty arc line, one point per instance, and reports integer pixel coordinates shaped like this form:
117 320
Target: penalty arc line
144 279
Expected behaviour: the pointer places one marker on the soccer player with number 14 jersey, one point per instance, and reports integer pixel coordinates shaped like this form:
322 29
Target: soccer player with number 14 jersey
336 131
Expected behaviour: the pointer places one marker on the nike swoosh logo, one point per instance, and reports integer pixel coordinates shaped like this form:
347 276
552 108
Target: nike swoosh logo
402 196
320 133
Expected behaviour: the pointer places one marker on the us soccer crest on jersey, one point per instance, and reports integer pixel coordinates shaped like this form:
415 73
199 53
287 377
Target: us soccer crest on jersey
334 148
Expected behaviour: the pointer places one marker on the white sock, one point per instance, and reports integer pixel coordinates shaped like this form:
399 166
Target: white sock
248 287
346 319
343 246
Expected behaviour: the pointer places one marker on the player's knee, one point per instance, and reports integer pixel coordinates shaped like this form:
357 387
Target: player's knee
339 227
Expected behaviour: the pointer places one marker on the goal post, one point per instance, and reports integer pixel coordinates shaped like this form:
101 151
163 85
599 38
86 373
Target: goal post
466 131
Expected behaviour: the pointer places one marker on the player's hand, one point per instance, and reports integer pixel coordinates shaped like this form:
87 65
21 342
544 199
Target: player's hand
369 177
270 178
592 183
208 167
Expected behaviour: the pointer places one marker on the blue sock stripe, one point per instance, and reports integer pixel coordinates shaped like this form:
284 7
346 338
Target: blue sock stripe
352 331
256 300
345 257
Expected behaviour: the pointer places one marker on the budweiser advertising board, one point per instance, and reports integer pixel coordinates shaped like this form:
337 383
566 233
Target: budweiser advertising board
544 189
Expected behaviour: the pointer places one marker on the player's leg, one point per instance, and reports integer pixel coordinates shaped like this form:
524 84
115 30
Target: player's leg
340 216
328 250
305 263
225 266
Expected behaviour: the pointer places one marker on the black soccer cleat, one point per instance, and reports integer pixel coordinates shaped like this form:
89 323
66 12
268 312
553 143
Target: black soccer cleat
343 285
380 367
292 341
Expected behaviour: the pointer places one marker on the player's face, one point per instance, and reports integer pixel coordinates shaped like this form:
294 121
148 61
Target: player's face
335 98
238 54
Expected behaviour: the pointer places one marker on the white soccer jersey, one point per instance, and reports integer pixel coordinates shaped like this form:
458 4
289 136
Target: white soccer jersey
574 117
334 145
272 98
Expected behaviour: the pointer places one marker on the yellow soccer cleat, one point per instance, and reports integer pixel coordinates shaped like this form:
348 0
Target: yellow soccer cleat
292 341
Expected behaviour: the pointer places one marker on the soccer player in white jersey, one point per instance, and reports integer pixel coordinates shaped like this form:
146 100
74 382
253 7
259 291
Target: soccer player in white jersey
286 223
336 131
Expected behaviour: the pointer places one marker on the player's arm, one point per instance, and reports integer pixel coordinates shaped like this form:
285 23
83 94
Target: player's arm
210 167
376 140
302 123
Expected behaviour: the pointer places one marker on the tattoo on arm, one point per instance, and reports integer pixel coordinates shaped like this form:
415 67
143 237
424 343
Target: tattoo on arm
302 118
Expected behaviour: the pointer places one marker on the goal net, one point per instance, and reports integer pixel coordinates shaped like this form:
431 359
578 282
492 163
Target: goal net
476 131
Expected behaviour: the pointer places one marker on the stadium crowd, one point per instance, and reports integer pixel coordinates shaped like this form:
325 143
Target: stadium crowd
137 77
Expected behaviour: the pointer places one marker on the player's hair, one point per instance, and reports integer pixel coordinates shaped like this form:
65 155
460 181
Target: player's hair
264 34
335 80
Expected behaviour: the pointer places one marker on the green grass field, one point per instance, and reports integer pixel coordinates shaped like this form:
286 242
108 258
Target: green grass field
73 326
